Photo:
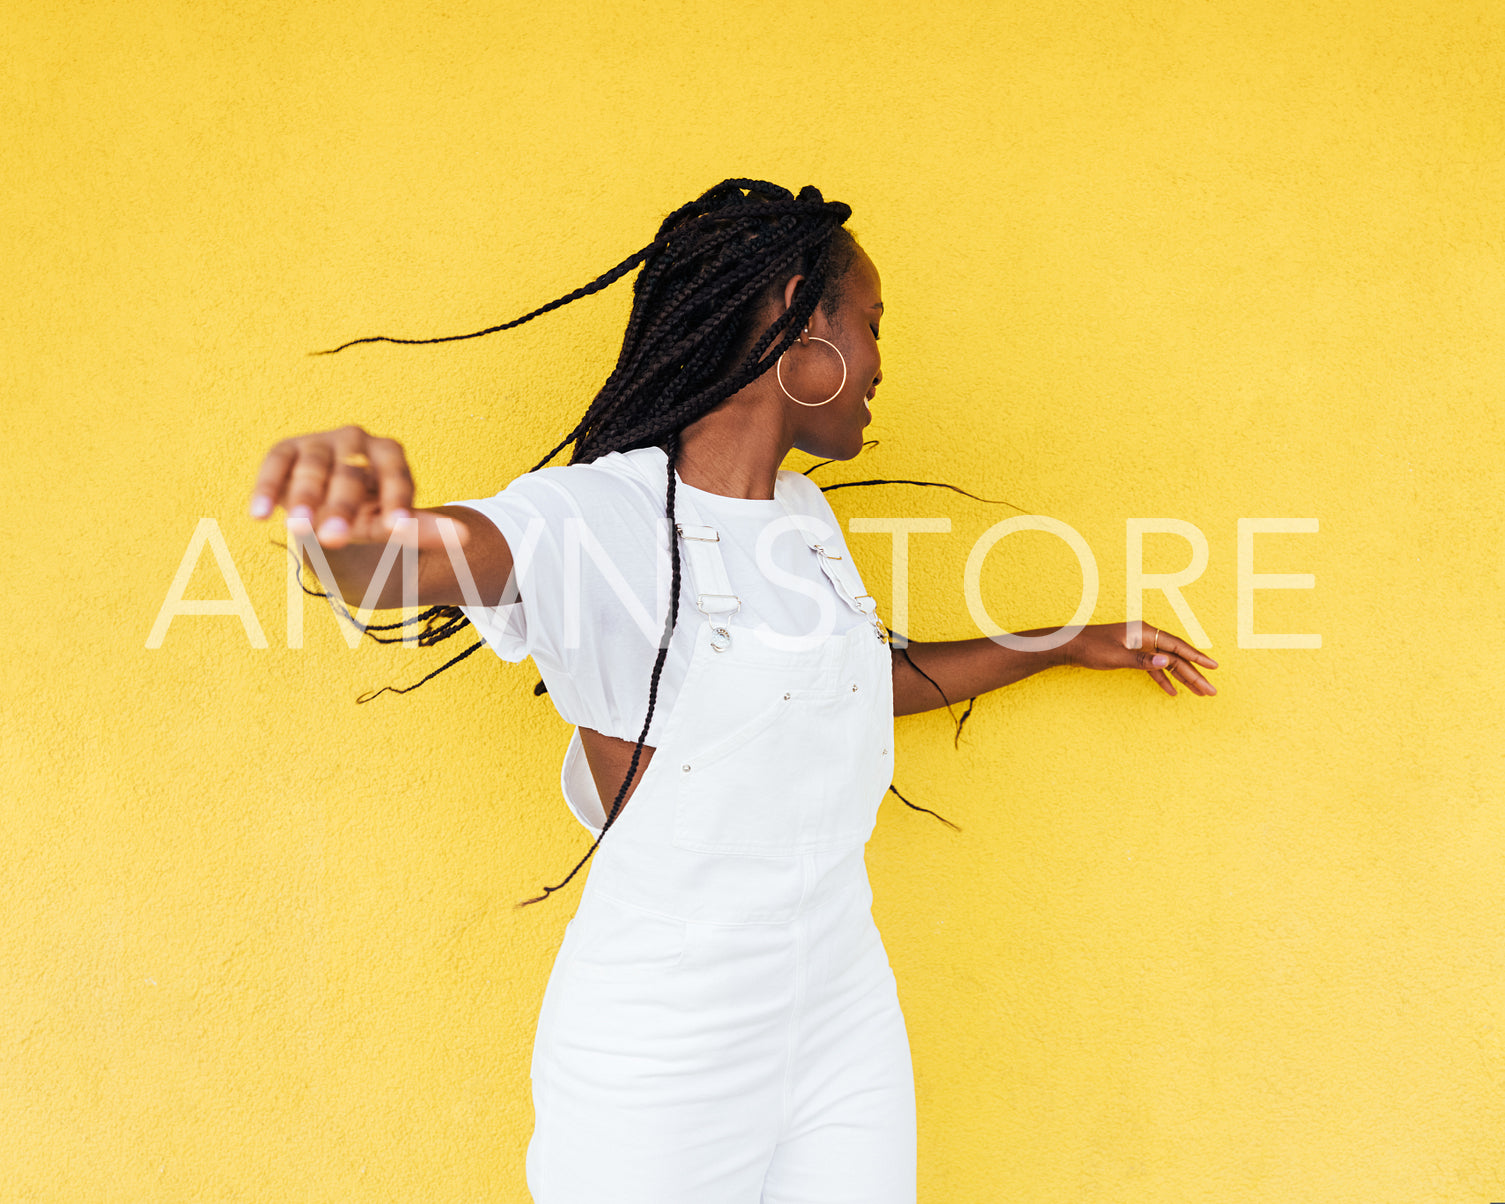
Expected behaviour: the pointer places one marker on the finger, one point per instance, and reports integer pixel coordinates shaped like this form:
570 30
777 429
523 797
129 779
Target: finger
1179 647
368 526
394 480
271 480
1149 660
1188 676
349 486
309 477
1169 673
1159 678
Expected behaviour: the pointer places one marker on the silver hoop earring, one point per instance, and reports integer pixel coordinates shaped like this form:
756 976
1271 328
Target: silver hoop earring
778 371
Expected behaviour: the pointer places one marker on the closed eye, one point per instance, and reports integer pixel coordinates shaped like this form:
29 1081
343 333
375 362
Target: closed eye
874 329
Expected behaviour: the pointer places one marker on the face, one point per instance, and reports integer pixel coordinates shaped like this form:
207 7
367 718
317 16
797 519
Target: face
812 370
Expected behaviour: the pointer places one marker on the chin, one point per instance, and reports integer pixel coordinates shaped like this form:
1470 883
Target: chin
837 442
831 449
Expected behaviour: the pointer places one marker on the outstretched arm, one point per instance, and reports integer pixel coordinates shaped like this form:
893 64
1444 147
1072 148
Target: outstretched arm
929 675
355 491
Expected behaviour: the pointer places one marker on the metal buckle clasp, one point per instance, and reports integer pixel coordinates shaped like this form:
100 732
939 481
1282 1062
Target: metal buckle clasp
869 607
700 604
721 636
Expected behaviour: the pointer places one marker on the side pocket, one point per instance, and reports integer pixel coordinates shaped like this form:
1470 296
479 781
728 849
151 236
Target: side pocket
618 941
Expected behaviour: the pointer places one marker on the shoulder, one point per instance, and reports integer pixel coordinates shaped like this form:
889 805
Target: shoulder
800 493
803 496
619 483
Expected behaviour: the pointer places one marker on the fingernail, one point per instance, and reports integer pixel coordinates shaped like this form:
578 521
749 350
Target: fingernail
301 512
334 527
261 506
1160 662
397 518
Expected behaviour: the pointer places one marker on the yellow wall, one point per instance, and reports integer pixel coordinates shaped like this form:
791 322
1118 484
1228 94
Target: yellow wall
1191 260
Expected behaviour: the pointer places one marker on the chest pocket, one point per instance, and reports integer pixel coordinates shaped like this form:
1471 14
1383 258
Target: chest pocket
805 774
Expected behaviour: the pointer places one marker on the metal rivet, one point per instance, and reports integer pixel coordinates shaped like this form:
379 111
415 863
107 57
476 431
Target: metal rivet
786 697
686 768
854 687
884 753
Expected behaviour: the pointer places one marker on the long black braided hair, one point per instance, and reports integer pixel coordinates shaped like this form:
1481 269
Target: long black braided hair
691 342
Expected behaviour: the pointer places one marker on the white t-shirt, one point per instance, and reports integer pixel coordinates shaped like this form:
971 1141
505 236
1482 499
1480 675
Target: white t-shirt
591 547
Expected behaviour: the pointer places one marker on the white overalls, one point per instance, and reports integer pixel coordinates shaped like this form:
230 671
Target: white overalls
721 1024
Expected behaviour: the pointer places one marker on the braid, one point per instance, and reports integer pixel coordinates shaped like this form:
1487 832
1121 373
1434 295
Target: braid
658 669
595 286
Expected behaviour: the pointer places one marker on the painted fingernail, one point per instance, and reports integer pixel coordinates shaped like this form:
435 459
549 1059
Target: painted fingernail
397 518
334 527
301 513
1160 662
261 506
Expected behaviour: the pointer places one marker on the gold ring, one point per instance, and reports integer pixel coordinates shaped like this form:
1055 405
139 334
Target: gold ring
1157 641
356 460
1171 668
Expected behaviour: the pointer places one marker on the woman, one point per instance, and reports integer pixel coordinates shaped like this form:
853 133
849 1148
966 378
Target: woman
721 1024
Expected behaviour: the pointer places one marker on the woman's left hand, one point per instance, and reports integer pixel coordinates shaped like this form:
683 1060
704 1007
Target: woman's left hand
1162 655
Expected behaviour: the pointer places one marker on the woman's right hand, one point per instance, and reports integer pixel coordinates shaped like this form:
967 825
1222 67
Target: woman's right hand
352 486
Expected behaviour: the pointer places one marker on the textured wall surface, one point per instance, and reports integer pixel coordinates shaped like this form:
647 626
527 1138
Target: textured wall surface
1198 261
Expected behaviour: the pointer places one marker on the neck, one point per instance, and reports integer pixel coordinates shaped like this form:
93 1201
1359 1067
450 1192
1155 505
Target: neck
737 448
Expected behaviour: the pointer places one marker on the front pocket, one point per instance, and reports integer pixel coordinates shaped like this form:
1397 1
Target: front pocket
790 780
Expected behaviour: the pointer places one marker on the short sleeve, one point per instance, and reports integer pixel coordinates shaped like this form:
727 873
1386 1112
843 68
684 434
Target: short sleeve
529 513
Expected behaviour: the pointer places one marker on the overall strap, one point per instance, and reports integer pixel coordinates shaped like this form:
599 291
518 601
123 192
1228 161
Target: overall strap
700 545
838 569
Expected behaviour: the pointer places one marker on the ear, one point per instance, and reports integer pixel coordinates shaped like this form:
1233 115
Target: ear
794 283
